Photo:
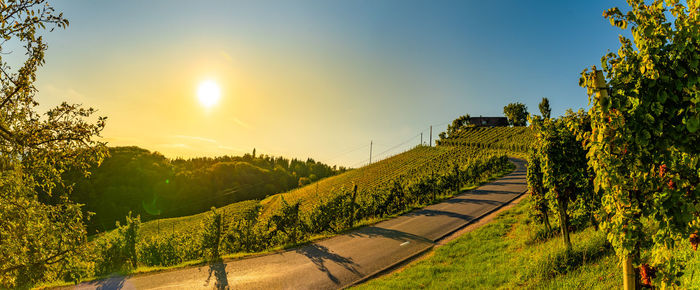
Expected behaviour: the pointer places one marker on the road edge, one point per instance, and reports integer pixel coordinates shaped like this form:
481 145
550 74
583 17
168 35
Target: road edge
398 264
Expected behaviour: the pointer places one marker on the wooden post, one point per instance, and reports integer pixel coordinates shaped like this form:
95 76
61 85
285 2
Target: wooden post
629 278
352 206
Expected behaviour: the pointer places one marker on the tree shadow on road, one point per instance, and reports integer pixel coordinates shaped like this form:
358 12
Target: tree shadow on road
319 254
114 282
374 231
433 212
218 270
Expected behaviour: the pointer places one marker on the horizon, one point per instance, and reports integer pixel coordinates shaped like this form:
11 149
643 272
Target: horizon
340 76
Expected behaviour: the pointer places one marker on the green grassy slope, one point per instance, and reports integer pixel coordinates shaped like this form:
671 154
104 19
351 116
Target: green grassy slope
507 254
510 253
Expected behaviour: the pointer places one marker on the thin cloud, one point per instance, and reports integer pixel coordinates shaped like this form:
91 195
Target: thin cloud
195 138
229 148
176 145
241 123
226 56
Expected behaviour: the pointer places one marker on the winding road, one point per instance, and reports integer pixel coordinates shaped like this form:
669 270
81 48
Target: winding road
343 260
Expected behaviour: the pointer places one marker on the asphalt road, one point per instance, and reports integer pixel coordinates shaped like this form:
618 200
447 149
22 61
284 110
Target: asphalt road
342 260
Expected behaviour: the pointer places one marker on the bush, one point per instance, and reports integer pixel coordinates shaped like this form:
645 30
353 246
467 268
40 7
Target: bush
211 235
246 234
288 225
116 250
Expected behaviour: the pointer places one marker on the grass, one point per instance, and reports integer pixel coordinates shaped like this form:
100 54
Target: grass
502 254
511 252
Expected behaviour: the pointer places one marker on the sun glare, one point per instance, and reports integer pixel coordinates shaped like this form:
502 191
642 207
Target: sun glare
208 93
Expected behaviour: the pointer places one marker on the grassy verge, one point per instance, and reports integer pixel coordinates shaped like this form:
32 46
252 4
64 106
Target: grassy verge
509 253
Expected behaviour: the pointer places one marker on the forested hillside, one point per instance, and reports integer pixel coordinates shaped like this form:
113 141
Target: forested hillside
153 186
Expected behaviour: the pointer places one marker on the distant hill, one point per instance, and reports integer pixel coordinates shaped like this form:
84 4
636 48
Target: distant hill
153 186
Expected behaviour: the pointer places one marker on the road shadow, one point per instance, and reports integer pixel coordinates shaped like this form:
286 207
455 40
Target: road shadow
319 255
377 232
112 283
462 200
218 271
434 212
485 191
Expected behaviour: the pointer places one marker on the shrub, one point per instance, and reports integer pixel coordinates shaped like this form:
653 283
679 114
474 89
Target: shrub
116 250
211 235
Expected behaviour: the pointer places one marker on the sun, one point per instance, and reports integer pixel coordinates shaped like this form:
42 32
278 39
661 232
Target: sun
208 93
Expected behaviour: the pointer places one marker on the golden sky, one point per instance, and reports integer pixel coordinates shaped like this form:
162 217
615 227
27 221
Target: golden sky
313 79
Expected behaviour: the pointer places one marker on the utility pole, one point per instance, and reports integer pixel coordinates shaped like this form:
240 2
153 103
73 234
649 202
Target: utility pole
431 135
370 152
421 138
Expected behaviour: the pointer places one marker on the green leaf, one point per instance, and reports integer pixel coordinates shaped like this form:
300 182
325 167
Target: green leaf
693 123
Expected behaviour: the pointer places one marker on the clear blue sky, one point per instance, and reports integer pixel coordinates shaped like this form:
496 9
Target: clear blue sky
316 78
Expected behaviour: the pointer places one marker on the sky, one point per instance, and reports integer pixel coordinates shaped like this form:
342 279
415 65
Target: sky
318 79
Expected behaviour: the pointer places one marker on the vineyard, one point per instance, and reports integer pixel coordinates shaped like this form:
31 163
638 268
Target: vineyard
514 139
409 180
413 164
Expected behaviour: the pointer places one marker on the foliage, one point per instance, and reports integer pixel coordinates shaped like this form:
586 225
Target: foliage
545 110
459 124
211 236
116 251
288 224
644 140
516 114
40 229
135 179
333 215
558 172
536 188
246 234
511 139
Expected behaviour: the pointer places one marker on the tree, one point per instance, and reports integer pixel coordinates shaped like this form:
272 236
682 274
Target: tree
645 133
516 113
545 109
40 227
458 124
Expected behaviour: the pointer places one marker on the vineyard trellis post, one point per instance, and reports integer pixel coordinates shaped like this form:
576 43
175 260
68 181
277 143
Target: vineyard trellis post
628 274
352 205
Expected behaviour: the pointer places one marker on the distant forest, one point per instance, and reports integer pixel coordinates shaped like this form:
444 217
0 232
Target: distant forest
153 186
